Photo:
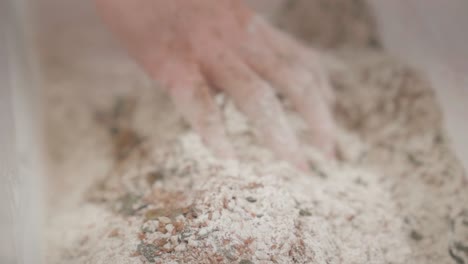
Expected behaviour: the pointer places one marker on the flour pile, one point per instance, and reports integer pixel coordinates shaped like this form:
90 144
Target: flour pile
130 182
190 208
389 201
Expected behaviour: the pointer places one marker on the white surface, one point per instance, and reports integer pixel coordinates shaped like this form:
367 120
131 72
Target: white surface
7 162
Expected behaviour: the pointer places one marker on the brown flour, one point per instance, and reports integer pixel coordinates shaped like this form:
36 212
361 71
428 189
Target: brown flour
135 185
390 201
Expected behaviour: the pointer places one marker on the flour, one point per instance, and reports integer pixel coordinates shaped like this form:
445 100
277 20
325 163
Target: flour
257 210
395 195
371 208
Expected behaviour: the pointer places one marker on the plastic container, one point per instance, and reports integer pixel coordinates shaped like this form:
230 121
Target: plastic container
20 173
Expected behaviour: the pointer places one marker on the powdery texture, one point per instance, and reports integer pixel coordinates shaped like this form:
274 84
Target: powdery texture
165 199
129 182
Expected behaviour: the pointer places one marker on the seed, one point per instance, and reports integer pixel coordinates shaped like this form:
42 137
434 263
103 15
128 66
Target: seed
148 251
164 220
416 235
250 199
303 212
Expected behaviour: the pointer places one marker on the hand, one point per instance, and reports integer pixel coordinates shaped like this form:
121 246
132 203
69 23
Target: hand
193 47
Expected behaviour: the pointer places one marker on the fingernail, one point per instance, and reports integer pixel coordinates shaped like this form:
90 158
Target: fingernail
303 167
224 152
301 164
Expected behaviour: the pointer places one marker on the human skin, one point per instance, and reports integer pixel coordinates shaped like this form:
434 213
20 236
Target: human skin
196 47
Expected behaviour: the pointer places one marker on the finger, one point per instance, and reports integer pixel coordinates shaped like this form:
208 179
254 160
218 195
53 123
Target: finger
290 50
257 100
192 97
295 80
